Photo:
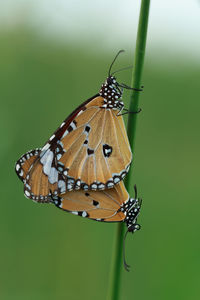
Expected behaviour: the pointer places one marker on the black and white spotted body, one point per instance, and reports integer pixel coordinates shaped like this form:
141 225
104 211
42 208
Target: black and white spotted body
112 94
132 209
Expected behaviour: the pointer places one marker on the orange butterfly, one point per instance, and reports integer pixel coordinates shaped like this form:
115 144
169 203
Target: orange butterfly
111 205
90 150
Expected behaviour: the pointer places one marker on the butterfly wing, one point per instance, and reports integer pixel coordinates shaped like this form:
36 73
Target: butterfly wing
95 152
90 150
38 186
97 205
35 183
24 163
36 168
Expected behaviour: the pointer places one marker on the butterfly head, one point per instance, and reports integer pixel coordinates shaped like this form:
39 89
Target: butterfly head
110 89
111 93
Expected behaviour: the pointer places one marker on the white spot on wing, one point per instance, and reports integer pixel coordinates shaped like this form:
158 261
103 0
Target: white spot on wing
75 213
53 176
61 185
84 214
69 186
73 125
52 137
101 186
21 173
110 184
85 187
59 156
65 172
65 133
27 193
116 179
28 186
46 147
46 160
80 112
94 186
17 167
78 183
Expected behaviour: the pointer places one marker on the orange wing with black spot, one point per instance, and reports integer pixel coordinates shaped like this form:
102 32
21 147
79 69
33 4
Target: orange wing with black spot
95 151
97 205
111 205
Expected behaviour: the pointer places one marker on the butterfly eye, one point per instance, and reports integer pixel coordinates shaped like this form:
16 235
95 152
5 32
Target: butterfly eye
109 81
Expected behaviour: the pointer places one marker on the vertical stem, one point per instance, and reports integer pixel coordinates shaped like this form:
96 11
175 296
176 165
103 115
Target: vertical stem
115 274
114 286
137 71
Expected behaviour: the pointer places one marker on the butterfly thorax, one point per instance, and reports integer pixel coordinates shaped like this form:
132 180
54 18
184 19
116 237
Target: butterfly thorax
131 208
112 94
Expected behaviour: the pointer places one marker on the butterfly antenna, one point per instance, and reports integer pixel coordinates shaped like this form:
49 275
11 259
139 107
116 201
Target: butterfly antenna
129 112
123 85
120 51
122 69
126 266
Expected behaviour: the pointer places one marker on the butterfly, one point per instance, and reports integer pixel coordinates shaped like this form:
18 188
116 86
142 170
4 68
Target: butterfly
90 150
111 205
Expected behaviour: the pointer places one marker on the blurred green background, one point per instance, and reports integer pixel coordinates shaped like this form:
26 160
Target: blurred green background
49 254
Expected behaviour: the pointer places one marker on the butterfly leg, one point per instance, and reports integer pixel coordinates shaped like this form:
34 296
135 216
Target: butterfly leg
129 112
123 85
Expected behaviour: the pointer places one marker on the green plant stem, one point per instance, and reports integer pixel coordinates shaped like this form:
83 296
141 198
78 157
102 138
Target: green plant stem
137 71
115 275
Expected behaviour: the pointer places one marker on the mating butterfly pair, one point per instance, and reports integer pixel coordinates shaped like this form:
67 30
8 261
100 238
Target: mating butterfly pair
81 167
